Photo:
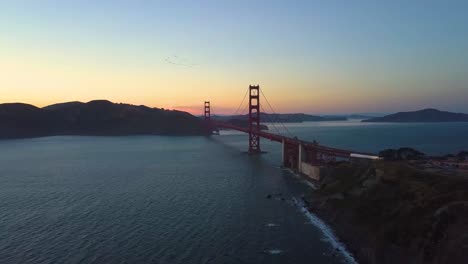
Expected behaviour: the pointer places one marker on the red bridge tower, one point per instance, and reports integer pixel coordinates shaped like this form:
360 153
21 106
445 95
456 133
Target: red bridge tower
254 119
207 111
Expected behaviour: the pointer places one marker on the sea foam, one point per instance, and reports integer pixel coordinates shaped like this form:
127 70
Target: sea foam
326 231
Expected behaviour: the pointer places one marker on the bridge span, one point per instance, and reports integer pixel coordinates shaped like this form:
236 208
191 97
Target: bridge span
301 156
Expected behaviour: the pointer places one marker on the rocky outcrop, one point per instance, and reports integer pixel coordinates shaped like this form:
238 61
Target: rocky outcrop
389 212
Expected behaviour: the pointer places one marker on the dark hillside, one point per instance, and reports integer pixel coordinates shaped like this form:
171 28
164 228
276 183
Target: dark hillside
390 212
94 118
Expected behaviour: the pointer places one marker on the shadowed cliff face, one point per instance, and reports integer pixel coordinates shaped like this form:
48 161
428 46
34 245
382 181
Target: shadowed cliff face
94 118
389 212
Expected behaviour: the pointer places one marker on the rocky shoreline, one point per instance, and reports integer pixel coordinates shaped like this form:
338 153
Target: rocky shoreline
391 212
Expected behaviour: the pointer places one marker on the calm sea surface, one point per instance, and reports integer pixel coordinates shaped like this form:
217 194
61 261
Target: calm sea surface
151 199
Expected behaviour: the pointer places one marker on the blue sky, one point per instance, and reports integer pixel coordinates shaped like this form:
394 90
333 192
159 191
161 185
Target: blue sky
309 56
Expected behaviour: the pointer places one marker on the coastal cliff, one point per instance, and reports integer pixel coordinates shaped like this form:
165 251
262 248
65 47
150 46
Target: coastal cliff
391 212
98 117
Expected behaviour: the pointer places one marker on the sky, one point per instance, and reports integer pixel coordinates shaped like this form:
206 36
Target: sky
320 57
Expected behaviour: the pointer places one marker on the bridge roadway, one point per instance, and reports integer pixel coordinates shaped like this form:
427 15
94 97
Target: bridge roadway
308 146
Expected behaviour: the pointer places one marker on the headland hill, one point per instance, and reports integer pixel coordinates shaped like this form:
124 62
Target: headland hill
98 117
424 115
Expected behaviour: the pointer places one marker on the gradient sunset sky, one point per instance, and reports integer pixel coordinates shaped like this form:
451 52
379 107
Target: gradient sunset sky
308 56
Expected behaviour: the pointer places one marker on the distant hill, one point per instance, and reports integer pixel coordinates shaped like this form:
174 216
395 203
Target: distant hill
284 118
425 115
244 123
98 117
349 116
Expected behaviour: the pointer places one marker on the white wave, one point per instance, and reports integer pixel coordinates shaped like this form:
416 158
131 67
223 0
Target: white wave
308 183
274 251
326 231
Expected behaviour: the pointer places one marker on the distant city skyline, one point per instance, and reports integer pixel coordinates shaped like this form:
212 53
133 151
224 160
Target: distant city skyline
317 57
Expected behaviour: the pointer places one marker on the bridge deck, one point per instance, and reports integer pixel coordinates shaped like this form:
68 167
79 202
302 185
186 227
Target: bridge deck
296 142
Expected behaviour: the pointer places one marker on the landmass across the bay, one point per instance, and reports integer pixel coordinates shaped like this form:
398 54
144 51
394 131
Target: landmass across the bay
282 118
424 115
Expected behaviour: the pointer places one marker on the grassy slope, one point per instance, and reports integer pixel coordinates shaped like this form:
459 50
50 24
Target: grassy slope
392 213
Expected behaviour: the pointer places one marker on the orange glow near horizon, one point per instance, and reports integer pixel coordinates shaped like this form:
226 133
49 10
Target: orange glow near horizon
310 57
45 77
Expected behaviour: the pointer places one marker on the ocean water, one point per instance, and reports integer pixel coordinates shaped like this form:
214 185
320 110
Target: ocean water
430 138
153 199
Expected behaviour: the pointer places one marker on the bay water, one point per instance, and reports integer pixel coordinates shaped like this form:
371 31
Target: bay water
157 199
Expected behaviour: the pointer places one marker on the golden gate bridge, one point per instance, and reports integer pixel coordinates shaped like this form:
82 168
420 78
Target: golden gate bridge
299 155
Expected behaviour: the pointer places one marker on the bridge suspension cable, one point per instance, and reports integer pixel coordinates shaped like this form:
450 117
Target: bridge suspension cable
240 105
245 111
271 122
275 114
